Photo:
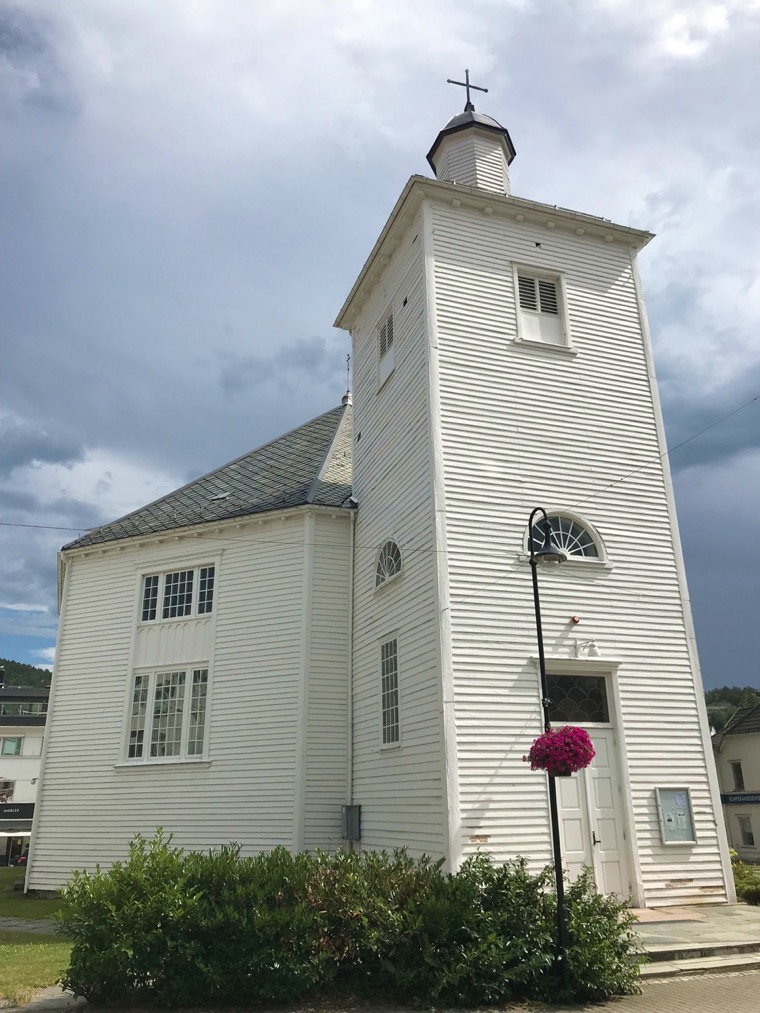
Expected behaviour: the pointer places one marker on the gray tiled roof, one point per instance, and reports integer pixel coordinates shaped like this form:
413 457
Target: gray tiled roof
310 464
744 721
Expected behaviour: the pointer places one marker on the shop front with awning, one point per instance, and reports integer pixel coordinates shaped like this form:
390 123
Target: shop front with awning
15 831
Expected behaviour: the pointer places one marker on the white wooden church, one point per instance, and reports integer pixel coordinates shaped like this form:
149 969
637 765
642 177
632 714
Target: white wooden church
344 616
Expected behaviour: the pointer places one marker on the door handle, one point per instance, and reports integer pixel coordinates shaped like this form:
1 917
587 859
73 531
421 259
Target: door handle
596 840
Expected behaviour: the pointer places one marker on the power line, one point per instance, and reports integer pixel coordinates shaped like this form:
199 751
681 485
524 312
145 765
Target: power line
610 485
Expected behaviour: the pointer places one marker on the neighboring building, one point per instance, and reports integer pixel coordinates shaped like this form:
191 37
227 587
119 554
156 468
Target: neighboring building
278 638
22 725
737 758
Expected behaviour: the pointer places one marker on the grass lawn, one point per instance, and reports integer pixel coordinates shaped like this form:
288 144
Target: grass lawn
29 960
14 904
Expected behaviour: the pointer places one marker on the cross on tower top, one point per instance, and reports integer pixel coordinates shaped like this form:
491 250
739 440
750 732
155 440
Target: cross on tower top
469 107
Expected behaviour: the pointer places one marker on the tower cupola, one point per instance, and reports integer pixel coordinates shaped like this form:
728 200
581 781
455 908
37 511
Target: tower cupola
473 149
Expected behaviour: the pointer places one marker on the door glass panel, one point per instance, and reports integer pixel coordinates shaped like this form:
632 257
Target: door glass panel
578 698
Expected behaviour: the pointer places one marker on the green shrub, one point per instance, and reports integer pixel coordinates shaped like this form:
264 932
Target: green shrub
746 880
218 928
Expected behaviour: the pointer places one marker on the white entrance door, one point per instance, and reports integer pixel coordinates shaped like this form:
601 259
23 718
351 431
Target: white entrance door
591 823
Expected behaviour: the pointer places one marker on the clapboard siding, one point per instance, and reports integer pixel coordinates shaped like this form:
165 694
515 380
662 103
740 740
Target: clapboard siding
400 789
327 732
91 804
472 159
525 426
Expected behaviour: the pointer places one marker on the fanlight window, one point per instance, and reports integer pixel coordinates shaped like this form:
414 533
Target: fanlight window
388 563
568 535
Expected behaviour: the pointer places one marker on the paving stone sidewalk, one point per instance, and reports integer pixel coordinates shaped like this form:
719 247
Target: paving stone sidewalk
736 992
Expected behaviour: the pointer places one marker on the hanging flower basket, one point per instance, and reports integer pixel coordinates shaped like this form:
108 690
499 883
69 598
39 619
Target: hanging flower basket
561 751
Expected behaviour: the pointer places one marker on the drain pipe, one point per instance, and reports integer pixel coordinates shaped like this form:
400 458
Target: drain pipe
350 680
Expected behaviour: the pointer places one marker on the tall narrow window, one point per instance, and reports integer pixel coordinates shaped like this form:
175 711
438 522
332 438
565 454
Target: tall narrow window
736 769
745 828
137 717
389 692
205 589
168 701
150 597
196 729
386 356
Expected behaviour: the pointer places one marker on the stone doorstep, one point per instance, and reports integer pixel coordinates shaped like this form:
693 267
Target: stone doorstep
700 965
658 954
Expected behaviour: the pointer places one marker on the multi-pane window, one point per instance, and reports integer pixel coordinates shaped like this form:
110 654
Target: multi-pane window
167 717
11 745
388 562
745 828
736 770
180 593
389 701
567 534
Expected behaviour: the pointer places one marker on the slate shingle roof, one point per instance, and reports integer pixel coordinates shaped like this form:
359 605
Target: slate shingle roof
308 465
744 721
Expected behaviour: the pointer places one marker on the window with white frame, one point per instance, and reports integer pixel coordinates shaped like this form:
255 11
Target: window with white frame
388 562
738 773
177 594
7 789
745 829
386 355
389 698
11 745
167 717
568 534
542 316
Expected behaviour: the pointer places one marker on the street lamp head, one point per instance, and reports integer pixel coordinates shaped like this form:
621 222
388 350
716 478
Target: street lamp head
549 551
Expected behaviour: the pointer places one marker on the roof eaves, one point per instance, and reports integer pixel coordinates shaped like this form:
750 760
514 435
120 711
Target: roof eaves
418 188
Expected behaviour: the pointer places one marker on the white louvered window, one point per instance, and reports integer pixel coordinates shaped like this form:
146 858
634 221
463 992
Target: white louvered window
540 309
181 593
167 717
386 354
389 696
388 563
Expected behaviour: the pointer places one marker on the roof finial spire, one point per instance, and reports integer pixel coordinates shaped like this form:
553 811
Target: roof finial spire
469 107
347 396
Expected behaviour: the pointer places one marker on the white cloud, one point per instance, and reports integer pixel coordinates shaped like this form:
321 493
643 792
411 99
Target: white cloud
46 656
21 607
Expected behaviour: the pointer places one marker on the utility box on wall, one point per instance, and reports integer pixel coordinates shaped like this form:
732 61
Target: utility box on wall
351 822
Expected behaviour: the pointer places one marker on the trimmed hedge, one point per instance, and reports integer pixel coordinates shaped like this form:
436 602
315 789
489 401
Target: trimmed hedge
217 928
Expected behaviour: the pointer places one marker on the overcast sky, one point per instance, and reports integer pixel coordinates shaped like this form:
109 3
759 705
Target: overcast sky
188 189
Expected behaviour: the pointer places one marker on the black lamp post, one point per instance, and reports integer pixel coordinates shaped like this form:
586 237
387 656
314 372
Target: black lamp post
549 553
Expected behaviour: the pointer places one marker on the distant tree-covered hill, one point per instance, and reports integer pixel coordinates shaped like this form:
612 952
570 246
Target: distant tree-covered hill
723 702
19 674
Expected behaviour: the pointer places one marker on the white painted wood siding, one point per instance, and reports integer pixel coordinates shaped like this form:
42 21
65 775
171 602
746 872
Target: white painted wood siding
326 743
91 803
525 426
471 158
400 788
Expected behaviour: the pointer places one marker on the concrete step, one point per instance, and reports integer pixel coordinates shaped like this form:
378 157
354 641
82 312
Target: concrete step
691 960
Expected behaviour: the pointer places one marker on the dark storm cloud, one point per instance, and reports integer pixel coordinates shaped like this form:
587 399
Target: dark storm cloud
22 444
310 357
33 74
713 423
